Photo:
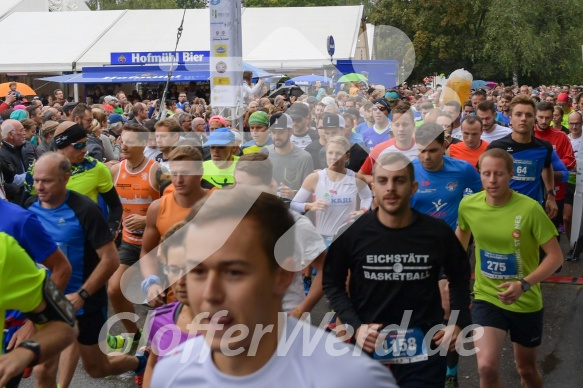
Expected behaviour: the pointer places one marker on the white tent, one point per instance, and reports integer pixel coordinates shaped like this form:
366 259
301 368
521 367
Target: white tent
8 6
69 35
273 38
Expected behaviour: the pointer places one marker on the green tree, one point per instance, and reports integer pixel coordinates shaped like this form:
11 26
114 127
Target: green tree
292 3
535 42
445 33
190 4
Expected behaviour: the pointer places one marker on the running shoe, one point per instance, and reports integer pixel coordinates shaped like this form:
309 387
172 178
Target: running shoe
115 342
570 256
143 354
451 382
119 342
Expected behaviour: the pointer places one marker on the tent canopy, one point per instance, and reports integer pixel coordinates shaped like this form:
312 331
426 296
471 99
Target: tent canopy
128 74
87 38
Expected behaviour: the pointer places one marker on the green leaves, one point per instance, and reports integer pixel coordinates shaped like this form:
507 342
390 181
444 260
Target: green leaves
540 41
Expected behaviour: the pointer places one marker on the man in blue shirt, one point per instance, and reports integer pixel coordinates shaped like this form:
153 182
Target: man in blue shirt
443 181
82 233
380 130
533 172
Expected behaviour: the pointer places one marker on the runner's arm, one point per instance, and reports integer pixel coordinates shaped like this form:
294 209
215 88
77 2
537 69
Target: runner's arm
553 260
463 236
148 255
60 268
115 209
334 280
458 271
316 290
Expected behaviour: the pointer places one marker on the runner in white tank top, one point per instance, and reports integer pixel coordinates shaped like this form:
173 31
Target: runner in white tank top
336 190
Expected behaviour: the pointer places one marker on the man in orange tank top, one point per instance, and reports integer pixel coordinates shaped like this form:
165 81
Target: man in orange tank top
137 181
186 171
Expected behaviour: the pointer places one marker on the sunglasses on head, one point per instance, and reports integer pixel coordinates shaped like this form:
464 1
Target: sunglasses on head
381 108
79 146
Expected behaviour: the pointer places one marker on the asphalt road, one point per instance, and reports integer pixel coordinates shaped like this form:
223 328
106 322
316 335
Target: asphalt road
560 357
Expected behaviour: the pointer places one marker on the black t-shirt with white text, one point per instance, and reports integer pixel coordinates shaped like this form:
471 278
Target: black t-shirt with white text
394 270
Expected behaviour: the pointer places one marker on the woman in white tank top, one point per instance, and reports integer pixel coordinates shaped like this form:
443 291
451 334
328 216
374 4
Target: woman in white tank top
333 193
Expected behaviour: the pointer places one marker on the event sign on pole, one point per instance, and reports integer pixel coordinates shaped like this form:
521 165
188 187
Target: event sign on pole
226 57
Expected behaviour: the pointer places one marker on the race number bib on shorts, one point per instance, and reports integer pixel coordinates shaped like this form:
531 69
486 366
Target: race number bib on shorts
403 347
498 265
524 170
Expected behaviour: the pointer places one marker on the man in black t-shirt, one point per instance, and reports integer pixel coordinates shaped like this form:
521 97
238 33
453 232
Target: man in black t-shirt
395 256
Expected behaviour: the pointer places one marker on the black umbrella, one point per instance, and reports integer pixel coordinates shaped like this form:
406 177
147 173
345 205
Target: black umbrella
289 90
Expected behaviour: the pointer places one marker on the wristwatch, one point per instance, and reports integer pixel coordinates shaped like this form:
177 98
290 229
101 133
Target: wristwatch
34 346
552 192
525 285
83 294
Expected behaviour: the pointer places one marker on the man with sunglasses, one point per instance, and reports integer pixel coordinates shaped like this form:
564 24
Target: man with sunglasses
89 177
380 130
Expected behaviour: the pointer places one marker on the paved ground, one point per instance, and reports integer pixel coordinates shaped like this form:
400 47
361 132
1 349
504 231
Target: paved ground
560 356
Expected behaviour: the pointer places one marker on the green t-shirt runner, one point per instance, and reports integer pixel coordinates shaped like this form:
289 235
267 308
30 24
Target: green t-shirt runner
21 282
499 260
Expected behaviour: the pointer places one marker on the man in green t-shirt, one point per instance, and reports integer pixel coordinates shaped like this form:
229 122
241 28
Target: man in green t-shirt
23 286
219 171
508 229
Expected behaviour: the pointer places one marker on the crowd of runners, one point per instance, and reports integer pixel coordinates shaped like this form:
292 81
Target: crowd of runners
236 227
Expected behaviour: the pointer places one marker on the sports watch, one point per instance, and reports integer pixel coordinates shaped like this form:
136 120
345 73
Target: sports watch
552 192
83 294
34 346
525 285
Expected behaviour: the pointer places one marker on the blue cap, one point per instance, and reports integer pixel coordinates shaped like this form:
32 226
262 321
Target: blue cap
535 91
117 118
220 137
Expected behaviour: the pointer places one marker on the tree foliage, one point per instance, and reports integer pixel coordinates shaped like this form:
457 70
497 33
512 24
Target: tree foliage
535 41
144 4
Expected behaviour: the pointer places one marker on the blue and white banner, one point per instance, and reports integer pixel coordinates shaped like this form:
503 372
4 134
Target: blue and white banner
155 57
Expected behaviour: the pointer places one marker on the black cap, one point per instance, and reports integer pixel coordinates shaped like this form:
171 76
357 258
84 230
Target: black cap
69 106
298 110
280 121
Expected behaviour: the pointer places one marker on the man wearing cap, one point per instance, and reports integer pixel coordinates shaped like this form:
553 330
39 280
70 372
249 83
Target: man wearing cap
380 130
291 164
16 158
217 122
68 109
260 134
114 128
333 125
219 171
110 103
564 102
302 134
